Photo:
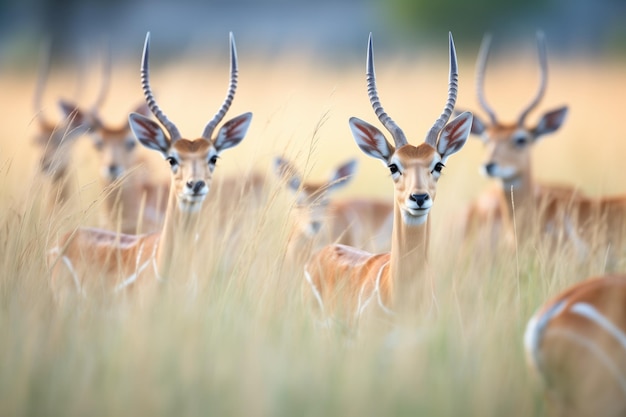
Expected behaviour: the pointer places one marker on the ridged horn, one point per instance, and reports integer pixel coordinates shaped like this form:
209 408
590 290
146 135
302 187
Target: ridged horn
397 133
543 65
42 79
230 94
481 65
453 89
147 91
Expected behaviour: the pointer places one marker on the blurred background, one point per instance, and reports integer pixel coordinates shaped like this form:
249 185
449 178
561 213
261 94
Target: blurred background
331 29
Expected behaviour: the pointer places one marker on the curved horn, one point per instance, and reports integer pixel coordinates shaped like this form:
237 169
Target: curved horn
230 94
453 89
543 65
397 133
481 65
147 91
106 80
42 78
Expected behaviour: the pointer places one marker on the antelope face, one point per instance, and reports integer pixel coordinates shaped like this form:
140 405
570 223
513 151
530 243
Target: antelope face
508 152
312 198
415 171
192 164
117 150
509 146
312 209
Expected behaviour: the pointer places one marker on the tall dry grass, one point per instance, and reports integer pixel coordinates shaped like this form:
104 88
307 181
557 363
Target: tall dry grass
238 339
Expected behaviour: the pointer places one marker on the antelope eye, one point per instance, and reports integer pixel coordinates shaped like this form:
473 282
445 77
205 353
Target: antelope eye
393 168
520 141
172 161
438 167
99 145
130 145
213 160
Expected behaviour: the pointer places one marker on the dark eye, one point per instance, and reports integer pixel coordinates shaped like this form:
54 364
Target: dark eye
438 167
393 168
98 145
130 145
520 141
213 160
173 162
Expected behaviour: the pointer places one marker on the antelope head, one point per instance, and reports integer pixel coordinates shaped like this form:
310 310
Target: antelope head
192 162
312 198
415 170
509 144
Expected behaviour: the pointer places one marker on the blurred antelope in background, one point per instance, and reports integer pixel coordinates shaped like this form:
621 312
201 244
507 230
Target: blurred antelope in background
56 140
509 145
135 201
351 280
129 260
576 344
320 220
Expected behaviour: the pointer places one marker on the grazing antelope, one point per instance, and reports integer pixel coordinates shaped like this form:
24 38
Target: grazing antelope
56 139
359 222
509 148
576 343
349 279
126 260
135 202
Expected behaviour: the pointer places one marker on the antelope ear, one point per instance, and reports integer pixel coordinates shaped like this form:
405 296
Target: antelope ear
342 175
371 140
77 119
232 132
454 135
288 172
550 121
478 127
149 133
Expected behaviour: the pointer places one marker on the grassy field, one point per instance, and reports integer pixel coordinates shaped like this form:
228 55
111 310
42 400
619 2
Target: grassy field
241 341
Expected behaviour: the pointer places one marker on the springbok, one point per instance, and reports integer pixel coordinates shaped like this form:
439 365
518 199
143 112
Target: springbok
349 280
134 201
320 220
127 260
509 147
56 140
576 343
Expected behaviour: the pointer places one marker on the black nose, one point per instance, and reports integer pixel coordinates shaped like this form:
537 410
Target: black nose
490 168
419 198
195 186
316 226
114 170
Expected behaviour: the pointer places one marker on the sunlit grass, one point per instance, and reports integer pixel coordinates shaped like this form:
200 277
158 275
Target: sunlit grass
241 341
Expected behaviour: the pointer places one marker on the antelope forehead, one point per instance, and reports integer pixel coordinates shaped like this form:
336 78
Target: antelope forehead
417 156
503 133
187 147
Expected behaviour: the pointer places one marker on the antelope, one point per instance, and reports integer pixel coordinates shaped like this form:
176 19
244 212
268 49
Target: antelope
56 139
508 159
361 222
134 202
345 278
128 260
576 344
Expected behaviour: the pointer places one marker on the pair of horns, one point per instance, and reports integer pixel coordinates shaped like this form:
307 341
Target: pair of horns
158 113
398 135
480 75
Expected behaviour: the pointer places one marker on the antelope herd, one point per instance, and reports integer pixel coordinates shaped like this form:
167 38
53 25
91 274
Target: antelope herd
576 342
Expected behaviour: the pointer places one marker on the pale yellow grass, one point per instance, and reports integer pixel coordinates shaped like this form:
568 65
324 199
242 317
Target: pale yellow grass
242 342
